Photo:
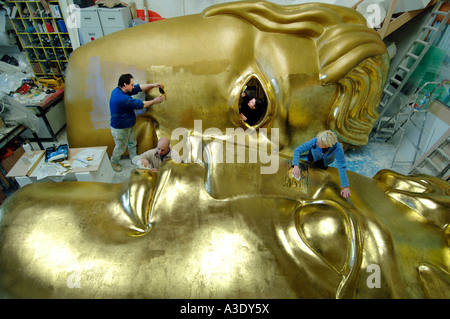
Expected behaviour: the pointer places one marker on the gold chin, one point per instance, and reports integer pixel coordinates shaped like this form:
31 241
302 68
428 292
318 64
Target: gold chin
221 225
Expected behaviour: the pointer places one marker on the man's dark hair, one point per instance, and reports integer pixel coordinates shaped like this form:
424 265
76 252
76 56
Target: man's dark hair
124 79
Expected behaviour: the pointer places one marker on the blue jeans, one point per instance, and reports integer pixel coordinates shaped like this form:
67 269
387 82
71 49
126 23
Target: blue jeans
123 138
319 163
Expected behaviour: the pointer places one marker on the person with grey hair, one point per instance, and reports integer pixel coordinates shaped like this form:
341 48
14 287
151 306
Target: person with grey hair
323 150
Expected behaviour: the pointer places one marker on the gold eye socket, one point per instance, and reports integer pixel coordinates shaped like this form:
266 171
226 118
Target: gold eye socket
253 102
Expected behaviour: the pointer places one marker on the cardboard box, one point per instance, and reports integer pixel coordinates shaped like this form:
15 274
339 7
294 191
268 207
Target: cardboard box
9 162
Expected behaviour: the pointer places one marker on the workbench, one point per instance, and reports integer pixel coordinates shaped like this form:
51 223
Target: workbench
52 115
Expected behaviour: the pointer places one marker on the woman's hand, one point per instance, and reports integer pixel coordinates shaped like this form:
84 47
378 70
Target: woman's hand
345 192
296 171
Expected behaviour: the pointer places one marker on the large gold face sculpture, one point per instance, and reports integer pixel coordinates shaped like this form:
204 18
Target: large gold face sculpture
93 240
231 222
319 66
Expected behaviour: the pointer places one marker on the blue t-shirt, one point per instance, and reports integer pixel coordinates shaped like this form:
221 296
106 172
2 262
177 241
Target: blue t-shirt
122 106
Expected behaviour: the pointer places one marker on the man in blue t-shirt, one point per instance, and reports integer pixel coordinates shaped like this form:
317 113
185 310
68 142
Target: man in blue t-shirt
123 118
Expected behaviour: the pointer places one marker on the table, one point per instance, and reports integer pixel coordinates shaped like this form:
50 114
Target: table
51 107
28 168
41 110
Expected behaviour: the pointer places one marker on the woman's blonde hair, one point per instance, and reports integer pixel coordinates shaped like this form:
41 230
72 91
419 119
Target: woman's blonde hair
327 138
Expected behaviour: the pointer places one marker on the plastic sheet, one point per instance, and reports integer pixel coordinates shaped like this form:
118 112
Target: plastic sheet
88 157
11 76
13 112
54 171
24 66
10 82
427 71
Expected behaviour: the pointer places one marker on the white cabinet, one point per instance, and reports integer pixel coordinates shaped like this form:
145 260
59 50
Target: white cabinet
89 17
114 19
90 34
90 25
96 22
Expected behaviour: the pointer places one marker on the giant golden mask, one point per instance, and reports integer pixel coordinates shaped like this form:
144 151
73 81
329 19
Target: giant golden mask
224 229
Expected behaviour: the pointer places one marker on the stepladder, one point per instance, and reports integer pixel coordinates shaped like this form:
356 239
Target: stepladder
425 38
436 161
411 120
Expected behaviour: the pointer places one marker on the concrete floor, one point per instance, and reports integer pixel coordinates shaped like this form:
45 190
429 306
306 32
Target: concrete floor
373 157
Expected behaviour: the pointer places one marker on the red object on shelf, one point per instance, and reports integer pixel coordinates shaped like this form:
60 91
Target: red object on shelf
24 89
49 27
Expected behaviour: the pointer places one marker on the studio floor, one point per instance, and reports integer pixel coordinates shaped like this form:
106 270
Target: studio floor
373 157
367 160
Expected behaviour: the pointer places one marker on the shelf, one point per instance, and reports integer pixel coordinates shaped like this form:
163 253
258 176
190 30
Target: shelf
42 35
